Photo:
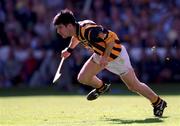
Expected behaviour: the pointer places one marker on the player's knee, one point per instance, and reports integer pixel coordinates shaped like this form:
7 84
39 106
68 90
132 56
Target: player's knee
134 87
81 78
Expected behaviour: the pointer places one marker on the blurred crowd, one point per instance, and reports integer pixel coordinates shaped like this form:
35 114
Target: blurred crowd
30 47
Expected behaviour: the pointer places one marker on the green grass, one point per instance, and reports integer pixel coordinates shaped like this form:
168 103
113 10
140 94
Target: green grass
73 110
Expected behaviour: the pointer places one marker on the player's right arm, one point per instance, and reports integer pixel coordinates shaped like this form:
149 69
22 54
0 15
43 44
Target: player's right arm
68 50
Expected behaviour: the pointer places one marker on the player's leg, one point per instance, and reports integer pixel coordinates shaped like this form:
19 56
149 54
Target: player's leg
88 72
122 67
135 85
88 76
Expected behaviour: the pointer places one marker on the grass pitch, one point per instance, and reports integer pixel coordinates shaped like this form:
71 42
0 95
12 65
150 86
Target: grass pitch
109 110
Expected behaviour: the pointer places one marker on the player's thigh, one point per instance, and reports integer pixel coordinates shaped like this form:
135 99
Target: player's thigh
130 79
90 68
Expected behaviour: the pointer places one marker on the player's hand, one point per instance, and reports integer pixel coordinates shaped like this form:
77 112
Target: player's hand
65 53
103 61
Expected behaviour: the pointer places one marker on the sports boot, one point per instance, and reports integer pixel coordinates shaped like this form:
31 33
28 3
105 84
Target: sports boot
95 93
159 108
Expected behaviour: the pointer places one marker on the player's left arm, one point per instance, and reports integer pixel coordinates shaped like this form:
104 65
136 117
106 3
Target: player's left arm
98 34
109 45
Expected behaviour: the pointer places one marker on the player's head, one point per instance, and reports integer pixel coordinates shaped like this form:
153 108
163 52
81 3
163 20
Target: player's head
64 21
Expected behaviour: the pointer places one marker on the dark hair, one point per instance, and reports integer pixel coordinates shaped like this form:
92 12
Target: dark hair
64 17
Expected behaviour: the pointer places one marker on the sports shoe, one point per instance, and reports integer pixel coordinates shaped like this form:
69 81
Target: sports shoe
159 108
95 93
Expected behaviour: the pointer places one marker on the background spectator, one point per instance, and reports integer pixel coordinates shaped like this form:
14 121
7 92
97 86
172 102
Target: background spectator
30 48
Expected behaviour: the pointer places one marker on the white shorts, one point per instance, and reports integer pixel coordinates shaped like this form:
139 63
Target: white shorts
120 65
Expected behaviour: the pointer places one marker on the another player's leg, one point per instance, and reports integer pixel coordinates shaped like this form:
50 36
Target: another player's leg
135 85
88 76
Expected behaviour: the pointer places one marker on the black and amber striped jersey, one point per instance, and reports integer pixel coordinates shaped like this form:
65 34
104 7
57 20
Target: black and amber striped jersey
96 37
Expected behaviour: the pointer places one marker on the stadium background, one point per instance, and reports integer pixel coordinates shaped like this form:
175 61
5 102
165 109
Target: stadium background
30 48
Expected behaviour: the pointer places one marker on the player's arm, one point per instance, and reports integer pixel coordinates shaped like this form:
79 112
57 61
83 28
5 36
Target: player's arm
67 51
108 49
109 45
74 42
98 34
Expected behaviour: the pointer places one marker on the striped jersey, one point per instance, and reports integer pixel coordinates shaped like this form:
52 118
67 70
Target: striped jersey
96 37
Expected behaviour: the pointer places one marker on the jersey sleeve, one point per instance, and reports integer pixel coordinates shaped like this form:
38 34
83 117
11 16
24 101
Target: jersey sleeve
96 34
111 37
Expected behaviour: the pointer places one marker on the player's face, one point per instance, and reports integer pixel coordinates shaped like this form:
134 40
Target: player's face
63 31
